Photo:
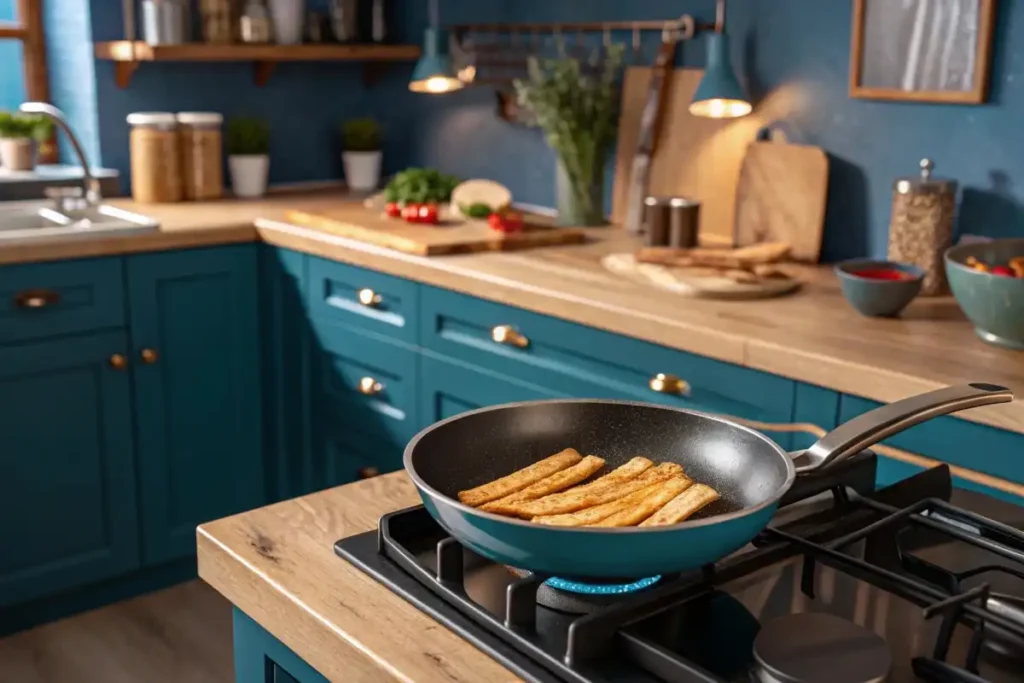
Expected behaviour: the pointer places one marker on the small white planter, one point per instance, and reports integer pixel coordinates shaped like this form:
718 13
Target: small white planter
249 174
289 18
17 154
362 170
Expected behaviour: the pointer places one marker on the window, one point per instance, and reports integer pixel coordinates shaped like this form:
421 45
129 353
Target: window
22 53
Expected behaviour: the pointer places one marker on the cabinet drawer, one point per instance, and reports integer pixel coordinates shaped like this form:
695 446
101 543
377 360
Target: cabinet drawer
583 362
61 297
362 298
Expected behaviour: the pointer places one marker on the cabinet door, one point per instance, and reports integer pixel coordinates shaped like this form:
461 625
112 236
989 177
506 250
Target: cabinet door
198 400
67 478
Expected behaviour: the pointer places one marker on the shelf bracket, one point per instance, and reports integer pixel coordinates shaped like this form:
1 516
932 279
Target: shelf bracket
123 72
262 71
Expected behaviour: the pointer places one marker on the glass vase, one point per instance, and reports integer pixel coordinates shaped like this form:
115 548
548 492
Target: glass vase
577 206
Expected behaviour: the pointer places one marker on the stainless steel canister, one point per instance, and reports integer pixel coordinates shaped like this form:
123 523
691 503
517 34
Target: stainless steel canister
921 228
165 22
671 222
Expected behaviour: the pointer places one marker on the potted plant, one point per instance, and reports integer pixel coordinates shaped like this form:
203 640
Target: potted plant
19 136
248 145
362 155
576 104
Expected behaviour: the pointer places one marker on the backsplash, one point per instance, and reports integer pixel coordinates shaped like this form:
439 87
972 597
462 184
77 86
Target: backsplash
793 46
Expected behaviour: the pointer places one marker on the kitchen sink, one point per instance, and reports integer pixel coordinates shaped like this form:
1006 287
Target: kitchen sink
32 221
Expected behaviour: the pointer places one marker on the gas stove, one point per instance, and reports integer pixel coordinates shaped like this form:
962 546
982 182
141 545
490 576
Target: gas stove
914 582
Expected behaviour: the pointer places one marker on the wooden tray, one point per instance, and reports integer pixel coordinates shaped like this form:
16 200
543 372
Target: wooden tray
695 282
450 237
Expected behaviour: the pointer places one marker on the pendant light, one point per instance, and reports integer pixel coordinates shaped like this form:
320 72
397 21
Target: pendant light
434 72
719 95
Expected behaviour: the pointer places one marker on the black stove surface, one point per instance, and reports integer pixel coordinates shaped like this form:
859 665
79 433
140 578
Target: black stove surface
703 627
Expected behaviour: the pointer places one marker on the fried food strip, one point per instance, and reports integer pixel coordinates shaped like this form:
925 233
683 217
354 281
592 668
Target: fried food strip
592 515
519 480
634 468
634 514
591 494
559 481
683 506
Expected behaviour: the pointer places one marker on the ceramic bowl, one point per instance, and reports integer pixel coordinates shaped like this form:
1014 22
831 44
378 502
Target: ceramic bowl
994 303
876 297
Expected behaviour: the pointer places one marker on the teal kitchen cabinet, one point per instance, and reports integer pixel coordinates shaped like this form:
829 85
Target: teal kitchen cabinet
195 348
67 470
262 658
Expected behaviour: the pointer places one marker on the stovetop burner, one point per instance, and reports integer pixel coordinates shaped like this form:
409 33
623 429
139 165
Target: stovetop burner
866 570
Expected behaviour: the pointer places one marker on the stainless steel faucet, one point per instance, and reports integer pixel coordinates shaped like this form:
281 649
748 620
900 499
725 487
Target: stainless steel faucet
90 185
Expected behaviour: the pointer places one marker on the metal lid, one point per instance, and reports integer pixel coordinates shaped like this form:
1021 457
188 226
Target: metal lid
152 118
674 202
924 183
200 118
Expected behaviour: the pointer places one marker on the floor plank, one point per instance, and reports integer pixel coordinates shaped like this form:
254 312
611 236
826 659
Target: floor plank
179 634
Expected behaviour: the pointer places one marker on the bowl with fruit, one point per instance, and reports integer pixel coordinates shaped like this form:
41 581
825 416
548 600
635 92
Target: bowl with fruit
879 289
987 279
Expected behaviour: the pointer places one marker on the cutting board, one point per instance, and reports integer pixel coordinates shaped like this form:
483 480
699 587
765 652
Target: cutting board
696 282
696 157
451 237
781 197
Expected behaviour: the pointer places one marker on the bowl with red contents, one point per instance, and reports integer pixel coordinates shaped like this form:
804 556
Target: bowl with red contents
987 279
879 289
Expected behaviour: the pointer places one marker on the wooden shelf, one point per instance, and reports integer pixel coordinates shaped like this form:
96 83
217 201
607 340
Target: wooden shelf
128 55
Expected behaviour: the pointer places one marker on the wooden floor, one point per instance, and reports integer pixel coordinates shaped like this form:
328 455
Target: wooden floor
181 634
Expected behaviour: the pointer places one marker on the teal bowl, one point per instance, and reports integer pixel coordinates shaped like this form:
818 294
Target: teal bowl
993 303
875 297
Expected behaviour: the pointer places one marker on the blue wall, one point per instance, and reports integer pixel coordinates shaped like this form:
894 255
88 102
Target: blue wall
800 44
12 79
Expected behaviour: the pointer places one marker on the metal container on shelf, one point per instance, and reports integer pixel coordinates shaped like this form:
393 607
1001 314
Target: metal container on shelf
671 222
165 22
921 229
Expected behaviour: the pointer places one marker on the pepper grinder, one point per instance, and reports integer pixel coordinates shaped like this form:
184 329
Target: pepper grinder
921 228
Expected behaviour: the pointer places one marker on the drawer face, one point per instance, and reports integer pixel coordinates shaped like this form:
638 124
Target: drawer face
362 298
61 297
583 362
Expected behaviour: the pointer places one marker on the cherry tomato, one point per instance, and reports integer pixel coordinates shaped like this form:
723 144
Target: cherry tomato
513 222
411 213
393 209
428 213
495 221
1003 270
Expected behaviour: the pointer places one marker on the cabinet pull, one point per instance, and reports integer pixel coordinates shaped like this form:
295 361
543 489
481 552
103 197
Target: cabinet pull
368 386
368 472
118 361
664 383
36 298
149 356
510 336
369 298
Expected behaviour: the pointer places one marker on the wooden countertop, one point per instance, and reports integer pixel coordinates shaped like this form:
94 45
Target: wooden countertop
812 336
277 564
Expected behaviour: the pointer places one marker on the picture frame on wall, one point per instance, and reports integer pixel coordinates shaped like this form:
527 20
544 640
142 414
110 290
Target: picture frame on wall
922 50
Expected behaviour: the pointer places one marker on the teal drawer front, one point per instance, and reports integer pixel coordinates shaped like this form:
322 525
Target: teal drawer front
362 298
349 454
48 299
582 362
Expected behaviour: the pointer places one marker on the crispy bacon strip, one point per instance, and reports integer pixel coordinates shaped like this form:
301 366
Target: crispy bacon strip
519 480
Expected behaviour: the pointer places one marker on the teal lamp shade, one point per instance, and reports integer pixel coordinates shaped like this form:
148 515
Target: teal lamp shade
434 72
719 95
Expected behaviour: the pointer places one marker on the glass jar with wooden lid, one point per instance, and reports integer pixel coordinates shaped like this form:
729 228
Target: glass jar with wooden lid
156 168
199 134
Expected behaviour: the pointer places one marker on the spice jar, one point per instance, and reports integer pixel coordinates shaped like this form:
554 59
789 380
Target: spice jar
921 228
156 171
218 22
202 170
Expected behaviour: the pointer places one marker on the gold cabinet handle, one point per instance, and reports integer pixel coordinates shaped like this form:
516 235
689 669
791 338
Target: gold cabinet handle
368 472
665 383
149 356
119 361
509 336
369 298
36 298
368 386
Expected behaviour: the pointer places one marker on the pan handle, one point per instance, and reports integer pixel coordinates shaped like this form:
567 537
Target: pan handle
868 429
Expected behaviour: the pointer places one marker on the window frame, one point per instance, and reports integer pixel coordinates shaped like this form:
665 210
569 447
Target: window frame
28 28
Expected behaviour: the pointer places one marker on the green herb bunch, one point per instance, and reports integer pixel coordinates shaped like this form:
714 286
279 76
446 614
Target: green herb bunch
248 136
361 135
420 186
38 128
576 104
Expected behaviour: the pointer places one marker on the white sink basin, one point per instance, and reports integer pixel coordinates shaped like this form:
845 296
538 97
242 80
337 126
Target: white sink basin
39 221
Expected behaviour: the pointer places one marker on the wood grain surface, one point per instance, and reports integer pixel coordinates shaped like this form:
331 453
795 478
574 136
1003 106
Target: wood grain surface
781 197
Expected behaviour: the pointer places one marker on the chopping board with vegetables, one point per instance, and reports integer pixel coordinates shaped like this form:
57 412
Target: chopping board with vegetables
428 213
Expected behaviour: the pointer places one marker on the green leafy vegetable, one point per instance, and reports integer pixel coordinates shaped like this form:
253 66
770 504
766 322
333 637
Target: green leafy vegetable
248 136
361 135
478 210
420 186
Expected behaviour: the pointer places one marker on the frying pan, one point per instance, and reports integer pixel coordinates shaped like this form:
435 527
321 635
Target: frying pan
749 470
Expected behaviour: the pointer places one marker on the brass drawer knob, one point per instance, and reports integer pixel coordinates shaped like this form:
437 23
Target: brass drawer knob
149 356
118 361
665 383
35 299
368 472
368 386
509 336
369 298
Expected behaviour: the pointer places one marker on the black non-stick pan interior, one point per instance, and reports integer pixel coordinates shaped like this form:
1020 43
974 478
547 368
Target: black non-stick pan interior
743 466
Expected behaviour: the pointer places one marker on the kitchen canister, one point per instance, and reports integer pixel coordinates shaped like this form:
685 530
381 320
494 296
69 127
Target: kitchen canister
671 222
155 158
202 155
921 228
165 22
